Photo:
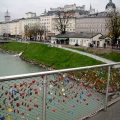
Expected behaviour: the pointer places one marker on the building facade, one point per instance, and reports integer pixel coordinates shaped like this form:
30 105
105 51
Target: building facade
17 27
68 8
91 24
70 26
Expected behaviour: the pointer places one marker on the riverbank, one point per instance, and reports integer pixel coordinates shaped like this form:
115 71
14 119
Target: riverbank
51 57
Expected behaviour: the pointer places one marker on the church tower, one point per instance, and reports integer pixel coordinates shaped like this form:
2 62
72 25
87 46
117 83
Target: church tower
110 7
91 11
7 16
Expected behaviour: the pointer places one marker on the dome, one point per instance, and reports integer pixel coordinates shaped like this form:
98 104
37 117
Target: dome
111 4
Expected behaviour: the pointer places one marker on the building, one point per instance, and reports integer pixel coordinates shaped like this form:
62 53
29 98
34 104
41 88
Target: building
68 8
70 26
86 39
46 23
91 24
4 26
17 27
82 39
30 21
110 7
30 14
94 22
92 10
7 16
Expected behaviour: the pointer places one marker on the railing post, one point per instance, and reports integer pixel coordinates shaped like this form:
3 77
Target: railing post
44 98
106 100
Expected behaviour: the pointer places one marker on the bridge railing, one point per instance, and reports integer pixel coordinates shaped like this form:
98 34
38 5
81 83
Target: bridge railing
68 94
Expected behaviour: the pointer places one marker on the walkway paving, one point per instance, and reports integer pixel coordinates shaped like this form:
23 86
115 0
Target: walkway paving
92 56
112 113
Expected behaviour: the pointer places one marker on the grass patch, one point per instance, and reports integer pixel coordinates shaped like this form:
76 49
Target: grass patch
14 47
114 56
51 56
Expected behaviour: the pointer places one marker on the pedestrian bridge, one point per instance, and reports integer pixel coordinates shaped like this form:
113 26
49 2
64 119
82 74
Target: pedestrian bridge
67 94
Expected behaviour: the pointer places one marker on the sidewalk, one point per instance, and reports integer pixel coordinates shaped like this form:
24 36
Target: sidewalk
92 56
112 113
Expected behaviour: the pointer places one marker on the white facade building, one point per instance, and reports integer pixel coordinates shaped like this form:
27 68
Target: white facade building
16 27
30 15
68 8
46 22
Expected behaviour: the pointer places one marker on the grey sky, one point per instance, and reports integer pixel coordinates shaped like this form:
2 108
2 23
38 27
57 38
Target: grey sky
18 8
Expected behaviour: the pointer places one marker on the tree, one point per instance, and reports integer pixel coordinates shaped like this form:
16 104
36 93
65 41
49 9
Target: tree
113 26
33 31
41 31
26 28
61 22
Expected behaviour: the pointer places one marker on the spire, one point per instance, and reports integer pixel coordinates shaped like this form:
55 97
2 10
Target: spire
45 12
90 7
110 0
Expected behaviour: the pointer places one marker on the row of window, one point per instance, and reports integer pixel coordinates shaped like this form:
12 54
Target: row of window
86 25
29 20
45 23
70 30
76 41
44 19
91 29
89 20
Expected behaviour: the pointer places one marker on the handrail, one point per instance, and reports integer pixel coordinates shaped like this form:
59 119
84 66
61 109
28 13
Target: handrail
14 77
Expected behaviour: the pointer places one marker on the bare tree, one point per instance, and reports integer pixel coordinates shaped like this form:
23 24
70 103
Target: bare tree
33 31
41 31
113 26
26 28
61 22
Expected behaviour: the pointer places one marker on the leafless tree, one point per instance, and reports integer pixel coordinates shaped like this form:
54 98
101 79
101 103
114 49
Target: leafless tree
61 22
113 26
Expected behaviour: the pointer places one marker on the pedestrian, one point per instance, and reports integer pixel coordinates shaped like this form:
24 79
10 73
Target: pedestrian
104 45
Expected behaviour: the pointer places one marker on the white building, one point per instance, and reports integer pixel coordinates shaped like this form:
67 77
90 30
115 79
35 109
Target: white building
17 27
30 15
85 39
68 8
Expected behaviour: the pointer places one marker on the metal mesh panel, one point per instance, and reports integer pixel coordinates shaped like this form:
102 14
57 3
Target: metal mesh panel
21 99
75 94
114 84
69 95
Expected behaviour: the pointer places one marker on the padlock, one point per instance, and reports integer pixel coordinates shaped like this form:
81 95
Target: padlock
9 117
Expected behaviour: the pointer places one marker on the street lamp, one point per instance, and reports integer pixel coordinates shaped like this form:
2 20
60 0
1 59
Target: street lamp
16 33
44 32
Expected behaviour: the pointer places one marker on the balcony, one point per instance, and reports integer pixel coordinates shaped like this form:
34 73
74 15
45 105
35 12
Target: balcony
68 94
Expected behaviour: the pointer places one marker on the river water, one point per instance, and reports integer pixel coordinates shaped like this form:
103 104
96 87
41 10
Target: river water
11 65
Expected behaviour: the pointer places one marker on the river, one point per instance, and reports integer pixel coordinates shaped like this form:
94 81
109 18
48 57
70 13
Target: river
11 65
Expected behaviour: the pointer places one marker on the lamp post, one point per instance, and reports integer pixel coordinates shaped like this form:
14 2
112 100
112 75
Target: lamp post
44 32
16 33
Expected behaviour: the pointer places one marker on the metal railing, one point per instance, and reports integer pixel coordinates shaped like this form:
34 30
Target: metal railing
64 93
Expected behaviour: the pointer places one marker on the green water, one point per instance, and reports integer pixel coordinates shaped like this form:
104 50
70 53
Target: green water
11 65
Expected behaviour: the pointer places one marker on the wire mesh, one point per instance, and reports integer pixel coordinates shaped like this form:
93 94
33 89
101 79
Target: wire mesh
114 84
70 95
21 99
74 94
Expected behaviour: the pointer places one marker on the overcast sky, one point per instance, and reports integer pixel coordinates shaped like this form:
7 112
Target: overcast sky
18 8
